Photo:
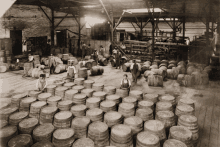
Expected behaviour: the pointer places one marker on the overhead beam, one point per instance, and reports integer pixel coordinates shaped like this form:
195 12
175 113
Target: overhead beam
119 21
61 21
146 23
137 22
106 12
52 28
133 26
167 23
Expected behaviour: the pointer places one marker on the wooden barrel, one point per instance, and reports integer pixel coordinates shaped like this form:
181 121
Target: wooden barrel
122 92
96 70
151 97
79 99
62 119
184 110
167 117
113 118
34 93
100 94
79 88
15 100
26 103
65 57
126 109
83 142
3 123
98 86
168 98
182 134
21 140
69 85
43 132
156 127
52 101
78 110
95 114
58 82
47 114
122 137
27 67
69 94
60 68
35 108
110 90
63 137
60 91
88 83
164 106
132 100
137 94
159 72
191 123
113 62
99 133
173 143
135 123
79 81
17 117
43 144
187 101
107 106
83 73
7 133
87 92
116 98
155 80
145 104
80 126
65 105
93 102
6 112
147 139
145 114
36 72
103 62
44 96
26 126
126 67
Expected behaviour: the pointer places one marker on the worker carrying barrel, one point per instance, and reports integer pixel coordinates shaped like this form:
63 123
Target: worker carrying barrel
41 83
71 71
134 70
52 64
118 59
125 83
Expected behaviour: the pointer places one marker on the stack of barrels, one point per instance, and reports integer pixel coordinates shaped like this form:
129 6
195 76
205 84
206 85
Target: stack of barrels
78 110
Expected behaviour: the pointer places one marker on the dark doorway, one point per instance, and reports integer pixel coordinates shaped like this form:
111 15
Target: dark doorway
61 38
16 36
121 36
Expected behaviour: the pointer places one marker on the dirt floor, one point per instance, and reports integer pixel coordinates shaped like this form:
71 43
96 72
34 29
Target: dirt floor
207 98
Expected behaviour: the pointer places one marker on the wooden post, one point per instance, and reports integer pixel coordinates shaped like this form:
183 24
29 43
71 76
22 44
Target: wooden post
112 25
153 30
141 31
79 33
174 29
184 22
208 49
52 28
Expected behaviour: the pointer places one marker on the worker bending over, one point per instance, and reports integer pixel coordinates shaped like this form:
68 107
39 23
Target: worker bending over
41 83
134 71
125 83
71 71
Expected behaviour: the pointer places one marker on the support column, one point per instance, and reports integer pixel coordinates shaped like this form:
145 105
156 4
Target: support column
79 40
52 28
153 30
141 29
174 30
112 25
184 21
208 49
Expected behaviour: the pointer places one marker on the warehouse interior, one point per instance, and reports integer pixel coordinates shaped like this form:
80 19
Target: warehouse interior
110 73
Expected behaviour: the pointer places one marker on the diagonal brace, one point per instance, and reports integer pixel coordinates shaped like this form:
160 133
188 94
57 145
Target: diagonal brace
106 11
133 26
167 23
60 21
146 23
45 14
119 21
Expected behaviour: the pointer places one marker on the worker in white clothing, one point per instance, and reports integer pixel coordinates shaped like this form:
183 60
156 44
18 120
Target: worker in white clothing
125 83
71 71
41 83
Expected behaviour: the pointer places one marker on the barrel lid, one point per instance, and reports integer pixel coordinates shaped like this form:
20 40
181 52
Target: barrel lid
61 88
71 92
63 115
84 142
151 96
78 87
98 127
43 144
54 99
38 104
81 121
129 100
29 122
99 93
65 102
165 114
62 134
19 96
34 92
44 95
133 121
43 129
4 105
185 108
94 112
188 118
109 87
79 96
107 103
69 84
93 100
98 84
126 106
78 108
180 132
145 103
147 138
187 101
89 81
146 111
28 100
18 115
113 97
79 79
49 110
167 98
174 143
7 131
3 123
121 130
164 104
51 86
112 115
154 125
87 91
21 139
8 110
58 82
136 92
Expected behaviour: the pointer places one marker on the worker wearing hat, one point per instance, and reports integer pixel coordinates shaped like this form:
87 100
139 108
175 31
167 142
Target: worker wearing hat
118 59
52 64
134 71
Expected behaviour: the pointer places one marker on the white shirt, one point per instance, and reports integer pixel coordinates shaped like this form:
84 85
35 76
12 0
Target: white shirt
31 58
38 84
74 69
125 81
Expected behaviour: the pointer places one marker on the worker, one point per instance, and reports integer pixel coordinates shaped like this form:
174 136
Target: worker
48 49
125 83
83 50
102 50
41 83
134 71
88 51
110 49
118 59
95 55
71 71
114 51
123 46
52 64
